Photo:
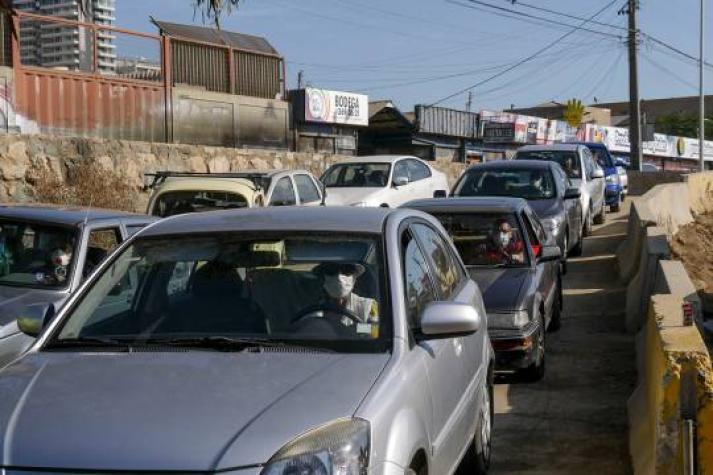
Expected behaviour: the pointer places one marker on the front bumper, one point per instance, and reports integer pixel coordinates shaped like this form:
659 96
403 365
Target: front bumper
514 348
612 194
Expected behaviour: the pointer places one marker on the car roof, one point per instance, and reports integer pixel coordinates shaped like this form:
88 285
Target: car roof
287 218
63 215
514 164
591 144
376 159
484 204
571 147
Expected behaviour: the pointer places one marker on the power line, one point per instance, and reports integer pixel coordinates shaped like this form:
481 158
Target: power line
528 58
665 70
604 77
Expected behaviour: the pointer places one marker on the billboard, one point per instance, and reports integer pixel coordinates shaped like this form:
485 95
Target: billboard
335 107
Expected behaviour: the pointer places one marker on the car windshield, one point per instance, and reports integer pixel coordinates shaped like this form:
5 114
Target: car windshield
180 202
357 175
486 239
526 183
36 255
233 291
602 157
567 159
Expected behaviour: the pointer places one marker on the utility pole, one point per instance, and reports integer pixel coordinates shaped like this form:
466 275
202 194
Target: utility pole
634 106
299 79
702 98
469 104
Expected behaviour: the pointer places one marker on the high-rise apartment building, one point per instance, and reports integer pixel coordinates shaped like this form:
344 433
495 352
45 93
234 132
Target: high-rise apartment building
68 47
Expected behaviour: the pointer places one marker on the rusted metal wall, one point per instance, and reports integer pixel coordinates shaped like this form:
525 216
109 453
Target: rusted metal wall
79 105
442 121
200 65
5 39
257 75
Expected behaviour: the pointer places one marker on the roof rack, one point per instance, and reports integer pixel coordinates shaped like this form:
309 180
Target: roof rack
259 180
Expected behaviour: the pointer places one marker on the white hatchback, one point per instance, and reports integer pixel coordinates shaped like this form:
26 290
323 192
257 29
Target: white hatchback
382 180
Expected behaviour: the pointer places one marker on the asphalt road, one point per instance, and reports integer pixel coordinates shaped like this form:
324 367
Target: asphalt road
574 420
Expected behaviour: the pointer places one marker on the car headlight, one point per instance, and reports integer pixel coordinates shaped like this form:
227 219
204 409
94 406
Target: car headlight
514 319
361 204
338 448
552 224
613 178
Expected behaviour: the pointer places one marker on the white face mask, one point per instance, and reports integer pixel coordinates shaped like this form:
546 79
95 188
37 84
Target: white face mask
504 238
338 286
60 258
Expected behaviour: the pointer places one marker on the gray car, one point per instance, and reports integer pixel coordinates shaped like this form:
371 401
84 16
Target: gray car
262 341
520 279
543 184
46 252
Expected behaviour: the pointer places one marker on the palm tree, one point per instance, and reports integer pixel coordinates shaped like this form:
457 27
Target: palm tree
574 112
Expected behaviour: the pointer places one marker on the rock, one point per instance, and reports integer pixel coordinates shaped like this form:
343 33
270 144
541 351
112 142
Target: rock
218 164
197 164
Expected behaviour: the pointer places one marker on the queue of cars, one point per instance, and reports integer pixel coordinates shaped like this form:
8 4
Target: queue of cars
287 339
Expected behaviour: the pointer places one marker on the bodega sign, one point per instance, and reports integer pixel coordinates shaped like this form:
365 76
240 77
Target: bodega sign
334 107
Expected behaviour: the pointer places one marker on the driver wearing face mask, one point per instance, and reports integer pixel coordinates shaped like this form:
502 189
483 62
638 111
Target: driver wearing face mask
338 281
58 266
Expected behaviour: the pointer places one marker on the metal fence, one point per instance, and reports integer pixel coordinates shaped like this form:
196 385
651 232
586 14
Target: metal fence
201 65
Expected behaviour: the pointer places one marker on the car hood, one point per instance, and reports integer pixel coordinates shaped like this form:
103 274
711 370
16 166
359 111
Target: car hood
189 411
546 208
14 299
348 196
502 288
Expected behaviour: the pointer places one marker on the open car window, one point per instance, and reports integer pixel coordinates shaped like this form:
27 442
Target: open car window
486 239
190 289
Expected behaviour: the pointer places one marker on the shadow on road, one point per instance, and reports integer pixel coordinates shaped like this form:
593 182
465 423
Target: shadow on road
574 420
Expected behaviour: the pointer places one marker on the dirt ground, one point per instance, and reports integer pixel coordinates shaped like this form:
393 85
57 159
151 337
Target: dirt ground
574 421
693 245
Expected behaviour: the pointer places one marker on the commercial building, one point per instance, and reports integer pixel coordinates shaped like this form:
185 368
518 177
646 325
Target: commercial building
138 68
652 109
553 110
63 46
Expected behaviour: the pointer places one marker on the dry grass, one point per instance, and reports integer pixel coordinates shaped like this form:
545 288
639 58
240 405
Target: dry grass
86 185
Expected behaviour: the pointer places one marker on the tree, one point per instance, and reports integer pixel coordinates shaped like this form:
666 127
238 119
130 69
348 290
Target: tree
684 124
574 113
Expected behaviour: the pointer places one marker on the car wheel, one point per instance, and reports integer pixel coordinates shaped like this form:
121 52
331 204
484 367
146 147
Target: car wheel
602 216
587 231
623 197
479 453
615 208
556 321
578 248
565 251
536 371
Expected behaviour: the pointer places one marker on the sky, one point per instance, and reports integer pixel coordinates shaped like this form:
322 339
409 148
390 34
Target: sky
422 51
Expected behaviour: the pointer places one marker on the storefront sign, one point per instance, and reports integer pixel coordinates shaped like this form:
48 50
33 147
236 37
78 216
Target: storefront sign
494 132
334 107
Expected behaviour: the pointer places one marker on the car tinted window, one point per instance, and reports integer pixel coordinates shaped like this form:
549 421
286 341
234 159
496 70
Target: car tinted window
402 169
535 241
447 272
101 243
132 229
417 280
417 170
283 194
530 184
357 175
537 225
180 202
569 160
307 189
561 179
601 157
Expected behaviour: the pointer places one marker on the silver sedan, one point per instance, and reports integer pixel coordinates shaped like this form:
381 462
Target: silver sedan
266 341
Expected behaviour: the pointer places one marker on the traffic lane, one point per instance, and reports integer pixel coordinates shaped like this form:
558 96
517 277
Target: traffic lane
574 420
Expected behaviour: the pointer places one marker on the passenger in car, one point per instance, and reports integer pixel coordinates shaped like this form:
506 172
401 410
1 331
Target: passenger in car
506 247
338 282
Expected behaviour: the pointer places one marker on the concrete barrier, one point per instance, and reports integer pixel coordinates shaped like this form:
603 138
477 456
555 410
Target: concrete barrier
629 251
700 186
671 278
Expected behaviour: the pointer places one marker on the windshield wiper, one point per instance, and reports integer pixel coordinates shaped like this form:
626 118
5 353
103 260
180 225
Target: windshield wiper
89 341
220 343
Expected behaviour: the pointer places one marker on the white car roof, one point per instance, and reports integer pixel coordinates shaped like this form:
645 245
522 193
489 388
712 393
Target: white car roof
376 159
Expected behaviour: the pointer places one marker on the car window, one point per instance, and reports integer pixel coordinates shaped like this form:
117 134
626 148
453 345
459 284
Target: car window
417 170
588 163
561 179
447 272
357 175
132 229
526 183
486 239
402 169
101 243
417 280
535 241
601 157
537 225
569 160
307 189
284 193
190 288
36 254
180 202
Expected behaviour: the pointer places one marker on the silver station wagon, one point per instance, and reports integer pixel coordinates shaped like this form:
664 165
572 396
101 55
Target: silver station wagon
262 341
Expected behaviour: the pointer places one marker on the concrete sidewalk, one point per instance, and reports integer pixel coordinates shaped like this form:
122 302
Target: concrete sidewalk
574 421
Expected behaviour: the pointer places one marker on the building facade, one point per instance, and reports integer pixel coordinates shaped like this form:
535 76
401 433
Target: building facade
68 47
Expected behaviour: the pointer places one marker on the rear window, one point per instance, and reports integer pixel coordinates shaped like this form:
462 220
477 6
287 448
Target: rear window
567 159
180 202
529 184
602 157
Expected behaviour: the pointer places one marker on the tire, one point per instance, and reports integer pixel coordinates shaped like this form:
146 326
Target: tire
565 252
623 197
477 459
601 218
417 467
617 207
577 250
556 321
587 229
536 371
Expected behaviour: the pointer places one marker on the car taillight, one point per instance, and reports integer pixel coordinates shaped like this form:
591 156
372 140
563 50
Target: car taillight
687 313
536 249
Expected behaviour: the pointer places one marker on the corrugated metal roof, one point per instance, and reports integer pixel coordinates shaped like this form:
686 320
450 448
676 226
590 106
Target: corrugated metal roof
241 41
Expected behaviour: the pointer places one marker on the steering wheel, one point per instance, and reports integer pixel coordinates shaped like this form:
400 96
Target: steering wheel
328 312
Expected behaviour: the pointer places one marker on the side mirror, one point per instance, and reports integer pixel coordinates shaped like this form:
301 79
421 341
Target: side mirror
449 319
598 173
572 194
35 318
400 181
440 194
550 253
